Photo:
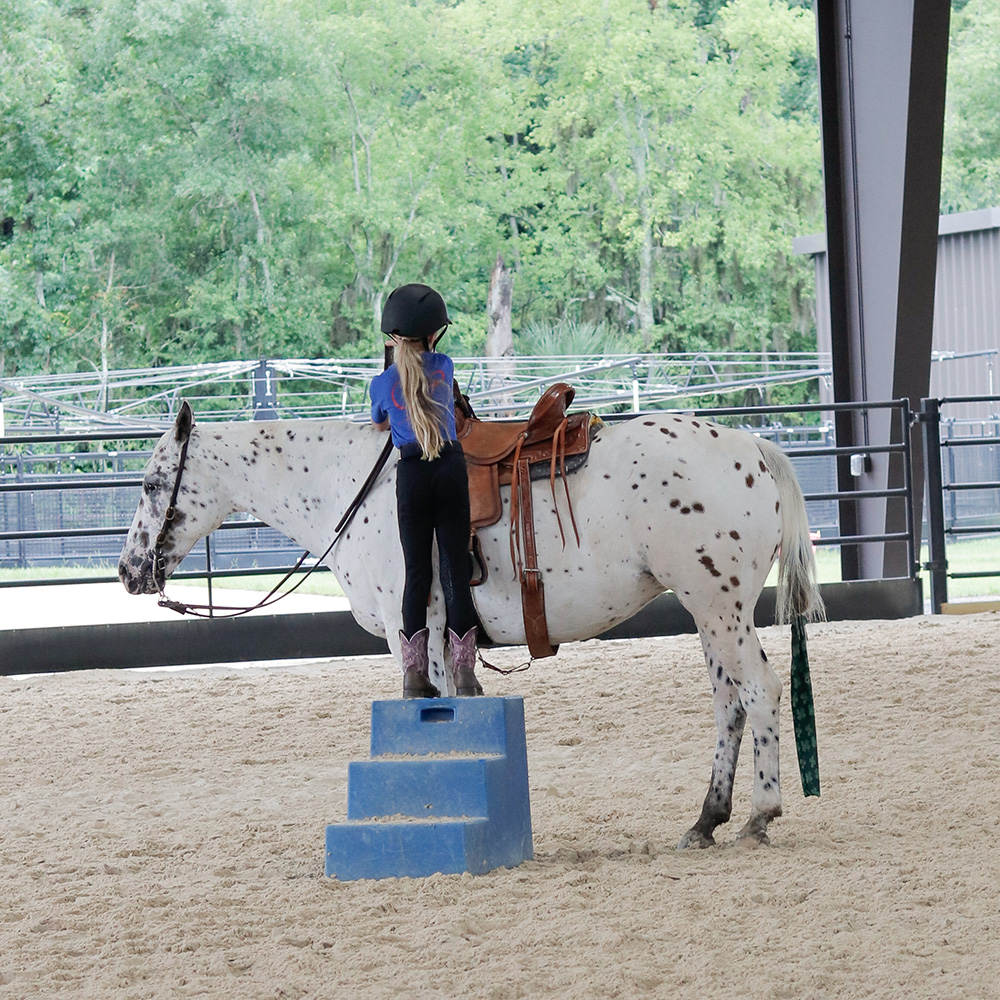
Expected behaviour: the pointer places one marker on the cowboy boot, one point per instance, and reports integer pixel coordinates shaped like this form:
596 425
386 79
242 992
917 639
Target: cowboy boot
463 663
416 678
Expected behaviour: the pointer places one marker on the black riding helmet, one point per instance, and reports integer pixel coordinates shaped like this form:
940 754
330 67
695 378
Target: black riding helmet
414 312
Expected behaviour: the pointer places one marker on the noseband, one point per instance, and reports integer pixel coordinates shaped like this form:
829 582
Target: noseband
159 563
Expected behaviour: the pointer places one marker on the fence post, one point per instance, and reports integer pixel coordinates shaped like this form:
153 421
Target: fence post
937 563
208 574
265 391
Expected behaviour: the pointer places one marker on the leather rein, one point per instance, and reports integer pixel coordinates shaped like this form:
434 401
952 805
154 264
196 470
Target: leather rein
272 597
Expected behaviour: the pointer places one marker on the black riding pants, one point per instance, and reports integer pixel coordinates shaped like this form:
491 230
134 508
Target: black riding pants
432 501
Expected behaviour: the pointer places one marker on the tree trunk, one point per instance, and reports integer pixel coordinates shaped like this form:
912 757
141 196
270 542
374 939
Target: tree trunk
102 401
644 314
262 240
500 335
637 139
499 326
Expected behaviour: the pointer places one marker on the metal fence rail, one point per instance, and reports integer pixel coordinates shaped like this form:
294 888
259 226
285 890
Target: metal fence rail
962 459
50 519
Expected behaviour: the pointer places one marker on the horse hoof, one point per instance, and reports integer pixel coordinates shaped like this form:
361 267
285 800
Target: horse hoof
695 839
754 833
752 840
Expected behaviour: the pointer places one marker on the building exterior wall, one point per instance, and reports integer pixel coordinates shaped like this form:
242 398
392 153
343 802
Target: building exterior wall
966 309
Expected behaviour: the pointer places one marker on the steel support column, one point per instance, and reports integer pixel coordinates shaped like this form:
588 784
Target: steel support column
882 68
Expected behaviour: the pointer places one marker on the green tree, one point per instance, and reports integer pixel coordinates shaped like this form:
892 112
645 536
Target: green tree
970 176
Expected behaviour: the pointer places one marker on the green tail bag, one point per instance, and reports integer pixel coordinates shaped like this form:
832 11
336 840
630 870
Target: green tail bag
803 712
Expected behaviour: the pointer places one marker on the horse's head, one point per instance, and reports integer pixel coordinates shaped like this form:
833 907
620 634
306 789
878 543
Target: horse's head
173 511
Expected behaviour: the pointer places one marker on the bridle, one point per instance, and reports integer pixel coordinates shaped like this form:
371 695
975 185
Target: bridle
208 610
159 564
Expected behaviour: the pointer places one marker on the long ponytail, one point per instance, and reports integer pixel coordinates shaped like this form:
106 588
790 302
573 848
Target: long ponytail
421 408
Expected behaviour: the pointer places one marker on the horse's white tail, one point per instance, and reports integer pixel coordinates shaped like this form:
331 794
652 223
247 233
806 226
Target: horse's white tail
798 593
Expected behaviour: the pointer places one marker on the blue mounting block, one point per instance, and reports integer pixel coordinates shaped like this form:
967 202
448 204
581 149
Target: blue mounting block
445 790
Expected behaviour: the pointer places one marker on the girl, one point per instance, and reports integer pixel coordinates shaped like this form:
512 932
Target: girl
413 397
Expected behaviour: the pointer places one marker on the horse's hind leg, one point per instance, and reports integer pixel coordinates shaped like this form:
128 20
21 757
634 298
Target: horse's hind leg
734 654
729 722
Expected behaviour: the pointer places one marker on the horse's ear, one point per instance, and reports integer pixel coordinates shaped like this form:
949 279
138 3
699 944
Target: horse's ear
184 422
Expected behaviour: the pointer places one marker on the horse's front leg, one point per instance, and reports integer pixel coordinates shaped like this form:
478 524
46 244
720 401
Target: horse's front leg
730 719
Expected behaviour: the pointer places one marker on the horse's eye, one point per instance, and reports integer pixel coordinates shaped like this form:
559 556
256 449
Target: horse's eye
149 487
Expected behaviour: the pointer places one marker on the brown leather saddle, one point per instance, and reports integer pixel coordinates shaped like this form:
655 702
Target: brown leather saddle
499 453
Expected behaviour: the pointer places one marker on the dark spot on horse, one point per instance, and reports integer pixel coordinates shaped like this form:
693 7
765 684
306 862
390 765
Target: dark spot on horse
700 508
685 510
738 466
709 564
647 423
735 535
777 506
763 467
635 486
694 423
714 432
734 580
606 476
749 480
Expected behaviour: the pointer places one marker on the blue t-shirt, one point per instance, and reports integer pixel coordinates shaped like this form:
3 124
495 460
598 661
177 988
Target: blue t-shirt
387 398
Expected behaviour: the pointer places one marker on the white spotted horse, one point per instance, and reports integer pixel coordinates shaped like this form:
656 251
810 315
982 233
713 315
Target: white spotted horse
665 502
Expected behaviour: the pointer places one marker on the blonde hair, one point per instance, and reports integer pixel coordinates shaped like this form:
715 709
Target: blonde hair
422 409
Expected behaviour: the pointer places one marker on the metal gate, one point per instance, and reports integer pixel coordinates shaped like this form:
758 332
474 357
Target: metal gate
962 459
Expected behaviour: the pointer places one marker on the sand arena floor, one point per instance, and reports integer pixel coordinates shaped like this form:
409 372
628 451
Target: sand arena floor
161 834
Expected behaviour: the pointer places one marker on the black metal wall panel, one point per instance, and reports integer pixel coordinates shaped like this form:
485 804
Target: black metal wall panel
882 70
335 634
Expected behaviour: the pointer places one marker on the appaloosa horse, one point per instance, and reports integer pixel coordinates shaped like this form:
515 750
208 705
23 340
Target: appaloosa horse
664 502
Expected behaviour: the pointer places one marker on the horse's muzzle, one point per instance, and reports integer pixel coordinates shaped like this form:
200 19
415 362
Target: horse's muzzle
137 580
